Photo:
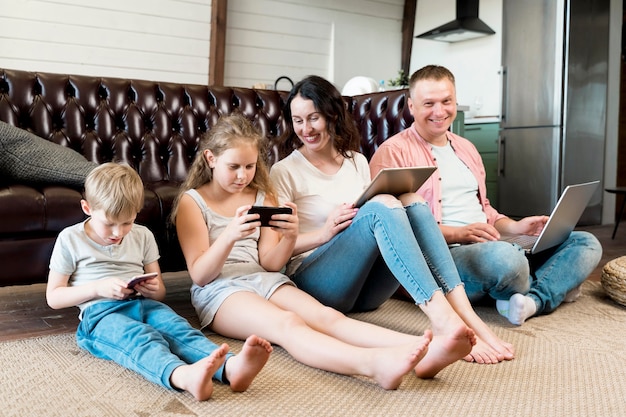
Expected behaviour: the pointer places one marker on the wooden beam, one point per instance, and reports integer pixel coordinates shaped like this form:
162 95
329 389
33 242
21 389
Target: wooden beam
217 46
408 24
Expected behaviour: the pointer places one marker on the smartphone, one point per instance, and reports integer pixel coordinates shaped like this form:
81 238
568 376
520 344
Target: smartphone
266 213
140 278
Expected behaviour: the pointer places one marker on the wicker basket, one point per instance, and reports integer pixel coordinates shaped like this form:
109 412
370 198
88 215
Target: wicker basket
614 279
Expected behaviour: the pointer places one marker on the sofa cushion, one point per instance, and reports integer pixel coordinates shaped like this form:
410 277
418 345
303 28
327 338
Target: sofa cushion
28 159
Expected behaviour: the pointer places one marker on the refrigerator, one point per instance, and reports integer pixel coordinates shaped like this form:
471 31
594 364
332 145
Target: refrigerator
554 89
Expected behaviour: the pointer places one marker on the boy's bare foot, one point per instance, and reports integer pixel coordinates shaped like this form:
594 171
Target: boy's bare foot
197 377
241 369
444 350
391 364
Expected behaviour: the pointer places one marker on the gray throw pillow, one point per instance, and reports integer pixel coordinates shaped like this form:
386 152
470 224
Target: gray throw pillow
27 158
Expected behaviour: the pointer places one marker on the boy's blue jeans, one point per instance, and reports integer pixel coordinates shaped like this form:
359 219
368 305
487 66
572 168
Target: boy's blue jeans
145 336
500 269
362 267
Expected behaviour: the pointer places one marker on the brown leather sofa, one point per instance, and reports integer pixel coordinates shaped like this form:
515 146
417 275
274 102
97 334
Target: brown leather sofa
154 127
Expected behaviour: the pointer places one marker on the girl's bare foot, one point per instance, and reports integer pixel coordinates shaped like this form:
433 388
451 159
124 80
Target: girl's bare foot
197 378
391 364
444 350
241 369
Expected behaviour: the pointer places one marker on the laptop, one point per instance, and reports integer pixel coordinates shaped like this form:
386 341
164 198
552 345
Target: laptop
561 222
396 181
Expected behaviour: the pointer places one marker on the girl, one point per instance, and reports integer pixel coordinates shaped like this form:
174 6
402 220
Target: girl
237 290
354 260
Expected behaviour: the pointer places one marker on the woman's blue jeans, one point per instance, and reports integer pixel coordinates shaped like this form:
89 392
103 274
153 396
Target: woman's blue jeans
145 336
362 267
501 269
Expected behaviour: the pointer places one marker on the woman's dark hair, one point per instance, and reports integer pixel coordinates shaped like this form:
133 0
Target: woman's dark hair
330 104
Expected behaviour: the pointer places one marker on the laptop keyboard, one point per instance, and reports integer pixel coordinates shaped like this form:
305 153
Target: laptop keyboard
525 241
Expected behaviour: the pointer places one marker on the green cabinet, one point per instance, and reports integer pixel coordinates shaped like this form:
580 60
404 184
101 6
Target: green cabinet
485 137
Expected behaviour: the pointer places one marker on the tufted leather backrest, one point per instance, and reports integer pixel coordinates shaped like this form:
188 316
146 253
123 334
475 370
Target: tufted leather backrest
155 126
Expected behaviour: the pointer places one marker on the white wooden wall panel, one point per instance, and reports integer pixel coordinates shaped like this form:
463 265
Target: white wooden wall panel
168 40
165 40
335 39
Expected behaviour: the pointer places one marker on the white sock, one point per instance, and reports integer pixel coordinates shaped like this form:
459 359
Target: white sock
572 295
517 309
503 307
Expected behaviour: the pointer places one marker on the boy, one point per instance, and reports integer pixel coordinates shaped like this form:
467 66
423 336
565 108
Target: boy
90 267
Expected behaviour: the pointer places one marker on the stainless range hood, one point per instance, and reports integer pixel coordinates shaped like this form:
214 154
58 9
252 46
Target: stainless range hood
466 26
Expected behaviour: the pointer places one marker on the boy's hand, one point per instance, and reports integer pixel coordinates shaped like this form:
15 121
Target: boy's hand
114 288
149 288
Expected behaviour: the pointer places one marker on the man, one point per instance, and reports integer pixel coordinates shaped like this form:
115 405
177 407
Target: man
523 286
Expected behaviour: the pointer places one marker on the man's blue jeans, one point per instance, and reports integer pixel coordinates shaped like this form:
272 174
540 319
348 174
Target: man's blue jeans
362 267
145 336
500 269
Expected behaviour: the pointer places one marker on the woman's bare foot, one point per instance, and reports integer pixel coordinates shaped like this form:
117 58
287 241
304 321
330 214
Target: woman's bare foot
241 369
484 354
197 377
444 350
490 348
391 364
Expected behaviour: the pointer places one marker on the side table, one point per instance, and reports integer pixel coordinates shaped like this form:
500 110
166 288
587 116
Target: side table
618 191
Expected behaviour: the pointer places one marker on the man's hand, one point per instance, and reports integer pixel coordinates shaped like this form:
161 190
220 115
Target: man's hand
472 233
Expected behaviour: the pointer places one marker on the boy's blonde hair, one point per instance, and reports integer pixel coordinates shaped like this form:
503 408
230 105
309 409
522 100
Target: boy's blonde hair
116 189
229 132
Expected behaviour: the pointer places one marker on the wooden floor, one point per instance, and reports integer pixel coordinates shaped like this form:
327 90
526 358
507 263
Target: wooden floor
24 312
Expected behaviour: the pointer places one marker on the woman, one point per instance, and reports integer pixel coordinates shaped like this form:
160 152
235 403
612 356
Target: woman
355 259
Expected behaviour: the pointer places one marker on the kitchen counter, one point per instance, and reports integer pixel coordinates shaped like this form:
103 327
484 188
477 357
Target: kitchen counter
482 119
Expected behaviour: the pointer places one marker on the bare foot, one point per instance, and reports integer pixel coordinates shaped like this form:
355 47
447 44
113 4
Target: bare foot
444 350
197 377
389 370
241 369
490 348
484 354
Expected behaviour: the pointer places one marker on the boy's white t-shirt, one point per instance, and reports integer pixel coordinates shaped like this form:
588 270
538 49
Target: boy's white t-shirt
77 255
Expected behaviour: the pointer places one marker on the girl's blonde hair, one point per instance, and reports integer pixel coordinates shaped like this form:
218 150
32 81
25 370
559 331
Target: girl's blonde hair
116 189
229 132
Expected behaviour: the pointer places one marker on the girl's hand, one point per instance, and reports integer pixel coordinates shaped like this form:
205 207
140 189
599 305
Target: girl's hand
243 224
287 224
339 219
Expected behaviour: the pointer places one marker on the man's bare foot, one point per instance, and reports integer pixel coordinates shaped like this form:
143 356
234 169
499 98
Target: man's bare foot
241 369
573 294
391 364
444 350
197 377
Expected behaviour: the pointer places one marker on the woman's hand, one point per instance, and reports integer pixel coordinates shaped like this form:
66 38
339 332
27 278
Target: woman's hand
339 219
